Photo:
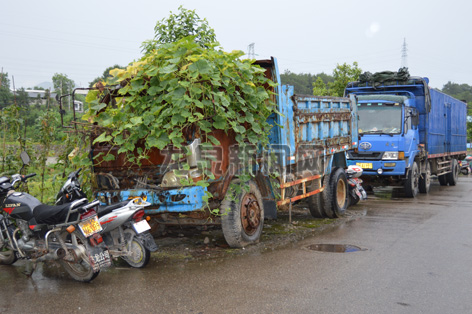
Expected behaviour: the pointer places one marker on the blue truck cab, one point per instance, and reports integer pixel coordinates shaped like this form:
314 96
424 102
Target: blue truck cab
408 132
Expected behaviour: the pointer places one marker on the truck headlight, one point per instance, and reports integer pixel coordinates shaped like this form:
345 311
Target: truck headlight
390 156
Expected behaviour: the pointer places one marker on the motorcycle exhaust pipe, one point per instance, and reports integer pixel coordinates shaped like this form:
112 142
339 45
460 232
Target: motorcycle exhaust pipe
59 253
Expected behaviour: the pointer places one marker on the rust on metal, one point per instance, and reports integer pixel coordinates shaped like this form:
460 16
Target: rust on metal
292 183
250 214
299 197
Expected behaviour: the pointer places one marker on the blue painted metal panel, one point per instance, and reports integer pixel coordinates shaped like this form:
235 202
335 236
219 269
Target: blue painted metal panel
185 199
447 127
327 123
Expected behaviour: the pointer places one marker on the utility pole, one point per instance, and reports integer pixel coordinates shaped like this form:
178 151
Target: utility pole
404 54
250 51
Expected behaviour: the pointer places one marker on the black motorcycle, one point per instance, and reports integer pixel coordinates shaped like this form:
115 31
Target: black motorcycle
37 232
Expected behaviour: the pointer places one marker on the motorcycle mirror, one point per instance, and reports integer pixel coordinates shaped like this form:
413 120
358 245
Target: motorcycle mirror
25 158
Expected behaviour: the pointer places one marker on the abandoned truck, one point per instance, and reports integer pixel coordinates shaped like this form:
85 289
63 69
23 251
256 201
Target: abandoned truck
309 140
408 132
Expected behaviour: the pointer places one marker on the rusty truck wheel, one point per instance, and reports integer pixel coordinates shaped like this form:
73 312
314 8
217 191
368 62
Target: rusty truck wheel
242 217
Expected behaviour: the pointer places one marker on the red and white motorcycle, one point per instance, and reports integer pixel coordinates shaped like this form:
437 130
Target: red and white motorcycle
356 191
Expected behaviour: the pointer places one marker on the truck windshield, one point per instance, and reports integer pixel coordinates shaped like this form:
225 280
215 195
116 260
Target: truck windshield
380 118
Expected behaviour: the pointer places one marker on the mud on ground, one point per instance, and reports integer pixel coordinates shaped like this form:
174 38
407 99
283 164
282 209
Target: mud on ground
191 243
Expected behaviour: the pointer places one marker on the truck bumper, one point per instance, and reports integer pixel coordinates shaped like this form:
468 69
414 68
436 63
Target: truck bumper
389 167
178 200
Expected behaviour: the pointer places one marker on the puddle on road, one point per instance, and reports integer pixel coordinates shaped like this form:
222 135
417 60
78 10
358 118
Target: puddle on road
335 248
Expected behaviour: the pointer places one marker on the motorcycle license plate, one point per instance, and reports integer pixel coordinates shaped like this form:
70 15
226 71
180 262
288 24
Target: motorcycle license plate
141 226
364 165
99 258
90 226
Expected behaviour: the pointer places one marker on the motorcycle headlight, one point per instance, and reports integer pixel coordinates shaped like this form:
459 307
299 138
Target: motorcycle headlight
390 156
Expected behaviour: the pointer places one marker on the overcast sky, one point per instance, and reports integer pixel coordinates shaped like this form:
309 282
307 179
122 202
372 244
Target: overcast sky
83 38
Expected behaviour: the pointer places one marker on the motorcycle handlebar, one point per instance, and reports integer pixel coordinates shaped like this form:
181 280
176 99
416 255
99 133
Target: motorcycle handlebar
23 178
20 178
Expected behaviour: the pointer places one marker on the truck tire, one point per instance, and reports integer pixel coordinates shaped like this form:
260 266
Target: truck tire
442 180
242 217
411 183
314 201
425 179
453 176
335 197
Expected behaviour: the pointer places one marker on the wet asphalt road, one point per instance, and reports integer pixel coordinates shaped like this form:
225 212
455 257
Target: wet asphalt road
417 259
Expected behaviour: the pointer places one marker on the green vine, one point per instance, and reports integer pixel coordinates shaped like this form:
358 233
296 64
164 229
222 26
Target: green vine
180 91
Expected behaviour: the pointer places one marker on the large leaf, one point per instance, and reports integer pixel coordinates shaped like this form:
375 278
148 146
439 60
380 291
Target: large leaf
202 66
102 138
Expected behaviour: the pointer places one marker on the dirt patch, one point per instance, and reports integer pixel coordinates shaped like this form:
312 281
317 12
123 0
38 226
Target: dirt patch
207 242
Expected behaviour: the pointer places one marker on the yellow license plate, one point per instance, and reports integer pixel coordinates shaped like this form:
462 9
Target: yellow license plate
364 165
90 226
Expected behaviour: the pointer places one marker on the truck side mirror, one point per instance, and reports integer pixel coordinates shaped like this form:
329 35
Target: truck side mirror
415 119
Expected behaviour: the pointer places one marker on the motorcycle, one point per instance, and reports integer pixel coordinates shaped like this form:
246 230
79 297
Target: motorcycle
464 165
356 191
125 232
38 232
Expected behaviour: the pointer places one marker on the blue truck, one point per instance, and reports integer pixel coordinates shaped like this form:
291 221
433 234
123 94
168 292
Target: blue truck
408 132
308 141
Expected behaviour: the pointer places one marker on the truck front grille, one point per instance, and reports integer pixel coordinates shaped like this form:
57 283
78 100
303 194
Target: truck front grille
366 155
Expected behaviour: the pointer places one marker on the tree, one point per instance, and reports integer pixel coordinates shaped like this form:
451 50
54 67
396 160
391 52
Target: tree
303 82
21 98
319 88
342 75
5 93
63 85
106 74
177 26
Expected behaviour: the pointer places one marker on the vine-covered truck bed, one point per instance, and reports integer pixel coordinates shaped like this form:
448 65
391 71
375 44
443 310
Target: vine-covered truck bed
245 182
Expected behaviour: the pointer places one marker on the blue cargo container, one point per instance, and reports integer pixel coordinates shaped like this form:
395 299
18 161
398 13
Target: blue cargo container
408 132
309 140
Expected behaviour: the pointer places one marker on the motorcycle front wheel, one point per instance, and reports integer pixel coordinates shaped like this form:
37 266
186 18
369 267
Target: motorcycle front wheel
138 256
7 256
353 200
80 270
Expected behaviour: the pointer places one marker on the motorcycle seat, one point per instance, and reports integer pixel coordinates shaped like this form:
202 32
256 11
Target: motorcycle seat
49 214
103 210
